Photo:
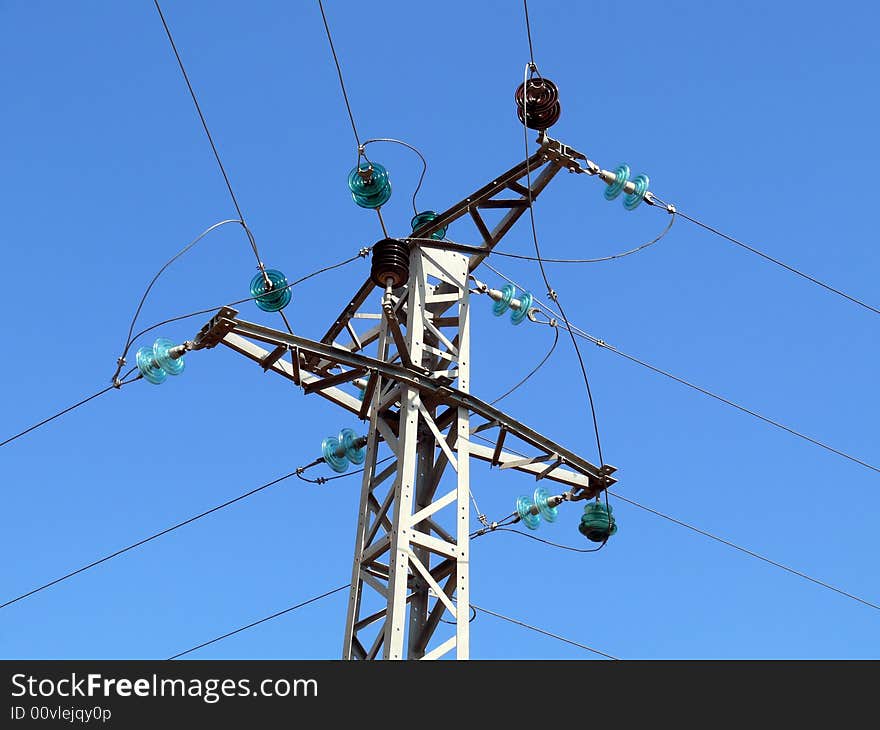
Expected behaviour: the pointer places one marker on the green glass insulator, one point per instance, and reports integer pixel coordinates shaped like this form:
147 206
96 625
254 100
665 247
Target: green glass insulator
508 292
632 201
369 190
597 523
334 455
542 501
427 216
525 304
161 352
355 448
621 177
272 298
148 367
524 510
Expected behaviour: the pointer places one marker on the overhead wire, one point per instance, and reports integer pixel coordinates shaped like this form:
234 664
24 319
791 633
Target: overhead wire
190 520
125 380
290 609
414 149
654 200
600 259
529 31
532 372
118 382
208 134
782 264
632 358
488 527
263 620
324 480
357 138
268 282
558 637
339 73
751 553
551 293
727 401
472 618
549 542
120 363
340 588
361 254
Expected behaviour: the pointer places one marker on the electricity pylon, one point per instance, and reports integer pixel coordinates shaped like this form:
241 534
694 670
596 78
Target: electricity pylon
411 558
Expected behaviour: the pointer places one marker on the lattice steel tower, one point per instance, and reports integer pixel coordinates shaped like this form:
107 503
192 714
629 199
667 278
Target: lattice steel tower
406 346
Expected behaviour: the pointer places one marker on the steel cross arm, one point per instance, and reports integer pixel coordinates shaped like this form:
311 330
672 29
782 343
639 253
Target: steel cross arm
313 383
228 324
483 198
551 155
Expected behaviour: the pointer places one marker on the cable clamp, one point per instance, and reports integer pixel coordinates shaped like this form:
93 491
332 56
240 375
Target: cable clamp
481 288
533 316
601 343
652 199
364 252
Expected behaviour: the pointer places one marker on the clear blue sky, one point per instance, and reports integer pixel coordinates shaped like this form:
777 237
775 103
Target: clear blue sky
759 118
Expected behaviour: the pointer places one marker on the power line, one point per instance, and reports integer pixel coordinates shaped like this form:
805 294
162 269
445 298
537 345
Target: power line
771 259
698 530
726 401
632 358
210 310
529 31
144 541
532 372
547 542
346 585
120 363
258 622
751 553
198 107
551 293
631 251
324 480
488 527
116 386
357 138
545 633
297 472
529 69
414 149
339 73
284 611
